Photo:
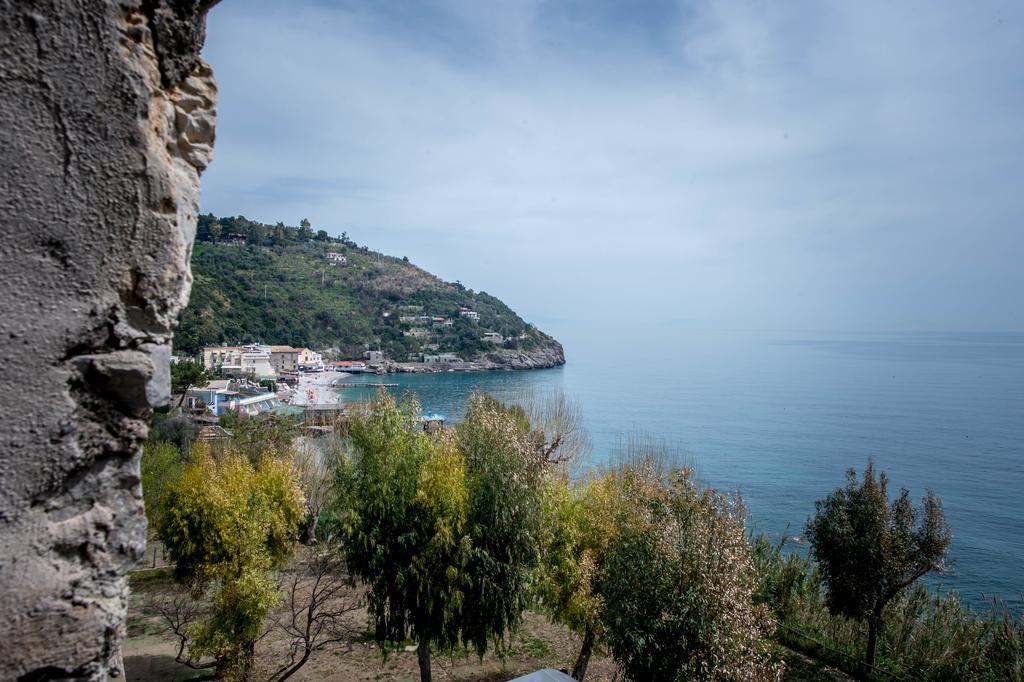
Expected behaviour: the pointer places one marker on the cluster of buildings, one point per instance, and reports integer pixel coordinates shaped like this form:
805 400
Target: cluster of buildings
426 327
241 369
261 362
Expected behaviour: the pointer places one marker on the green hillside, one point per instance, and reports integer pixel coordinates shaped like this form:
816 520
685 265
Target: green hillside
274 284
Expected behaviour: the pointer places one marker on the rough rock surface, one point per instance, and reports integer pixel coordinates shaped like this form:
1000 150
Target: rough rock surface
549 355
106 121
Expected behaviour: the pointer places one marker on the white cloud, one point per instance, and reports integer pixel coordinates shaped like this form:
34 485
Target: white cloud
755 164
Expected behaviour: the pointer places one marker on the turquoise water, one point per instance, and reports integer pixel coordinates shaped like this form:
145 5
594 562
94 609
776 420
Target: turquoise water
780 417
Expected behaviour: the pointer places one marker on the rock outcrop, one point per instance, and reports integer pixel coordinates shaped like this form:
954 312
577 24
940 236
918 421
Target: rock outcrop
548 355
107 122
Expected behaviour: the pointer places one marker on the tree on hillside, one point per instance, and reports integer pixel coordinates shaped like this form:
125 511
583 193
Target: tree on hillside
305 230
185 375
870 549
228 525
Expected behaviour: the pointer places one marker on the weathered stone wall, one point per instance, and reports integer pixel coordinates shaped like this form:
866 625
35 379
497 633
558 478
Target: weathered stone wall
106 121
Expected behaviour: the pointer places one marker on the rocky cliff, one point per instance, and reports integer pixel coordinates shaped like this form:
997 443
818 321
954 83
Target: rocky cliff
107 121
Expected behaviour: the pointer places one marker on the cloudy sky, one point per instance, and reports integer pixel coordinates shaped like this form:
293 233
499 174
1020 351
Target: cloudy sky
785 165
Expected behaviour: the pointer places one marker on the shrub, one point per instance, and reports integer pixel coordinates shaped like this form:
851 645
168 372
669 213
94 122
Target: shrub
227 525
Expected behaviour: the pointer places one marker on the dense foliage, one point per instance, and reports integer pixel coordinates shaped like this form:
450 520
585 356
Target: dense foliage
452 533
227 525
640 560
928 635
186 374
257 283
870 549
442 528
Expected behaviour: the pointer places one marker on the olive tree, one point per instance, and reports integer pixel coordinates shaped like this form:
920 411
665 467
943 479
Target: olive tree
869 549
677 583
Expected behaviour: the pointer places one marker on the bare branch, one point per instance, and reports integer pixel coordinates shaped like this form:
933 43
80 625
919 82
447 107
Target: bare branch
319 608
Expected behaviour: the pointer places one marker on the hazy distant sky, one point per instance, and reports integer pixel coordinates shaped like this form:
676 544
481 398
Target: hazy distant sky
809 165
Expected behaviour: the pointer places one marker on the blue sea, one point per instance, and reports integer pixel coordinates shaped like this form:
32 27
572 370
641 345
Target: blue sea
779 417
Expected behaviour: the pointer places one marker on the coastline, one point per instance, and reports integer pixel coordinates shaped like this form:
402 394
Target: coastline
552 355
300 395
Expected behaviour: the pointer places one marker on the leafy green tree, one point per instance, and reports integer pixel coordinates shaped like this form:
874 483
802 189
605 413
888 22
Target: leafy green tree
408 529
160 467
572 557
216 230
173 427
261 436
581 518
305 230
504 473
227 526
185 375
678 582
870 549
443 528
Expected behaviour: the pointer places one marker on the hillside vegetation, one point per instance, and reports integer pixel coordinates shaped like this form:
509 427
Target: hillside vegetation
274 284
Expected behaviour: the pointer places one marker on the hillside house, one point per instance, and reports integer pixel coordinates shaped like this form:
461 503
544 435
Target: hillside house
335 258
470 314
493 337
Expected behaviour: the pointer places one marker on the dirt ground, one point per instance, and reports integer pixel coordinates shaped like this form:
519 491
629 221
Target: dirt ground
150 650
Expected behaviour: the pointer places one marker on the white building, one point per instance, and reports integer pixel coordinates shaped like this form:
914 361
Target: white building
243 361
257 404
471 314
335 258
493 337
418 333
